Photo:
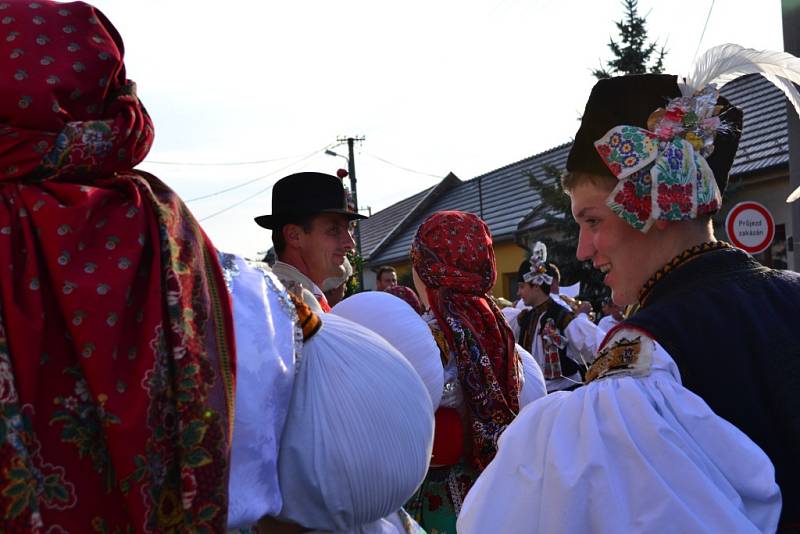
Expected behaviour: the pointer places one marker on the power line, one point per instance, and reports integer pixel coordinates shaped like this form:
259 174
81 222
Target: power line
708 17
259 192
253 180
220 164
402 167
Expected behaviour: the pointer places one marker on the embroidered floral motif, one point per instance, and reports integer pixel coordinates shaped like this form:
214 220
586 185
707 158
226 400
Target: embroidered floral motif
625 354
662 171
631 200
84 421
453 255
552 343
29 484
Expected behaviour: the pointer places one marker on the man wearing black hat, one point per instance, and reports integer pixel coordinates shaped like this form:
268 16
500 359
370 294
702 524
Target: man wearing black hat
726 320
311 232
647 445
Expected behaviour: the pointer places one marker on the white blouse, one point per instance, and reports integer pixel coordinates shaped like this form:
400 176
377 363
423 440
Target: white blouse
629 452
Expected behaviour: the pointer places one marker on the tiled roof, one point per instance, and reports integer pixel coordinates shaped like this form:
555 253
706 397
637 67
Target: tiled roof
382 227
381 224
508 199
506 195
764 143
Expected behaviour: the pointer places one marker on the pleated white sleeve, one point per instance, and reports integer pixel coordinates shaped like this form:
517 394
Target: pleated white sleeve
624 453
533 385
581 339
265 346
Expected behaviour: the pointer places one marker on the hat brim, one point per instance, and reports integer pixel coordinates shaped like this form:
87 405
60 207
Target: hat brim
270 222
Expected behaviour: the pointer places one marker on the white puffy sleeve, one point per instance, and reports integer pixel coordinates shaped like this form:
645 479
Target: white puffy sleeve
533 385
632 451
265 356
510 314
581 339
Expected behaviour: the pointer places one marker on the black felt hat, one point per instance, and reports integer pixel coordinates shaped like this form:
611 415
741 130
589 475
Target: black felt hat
629 100
303 194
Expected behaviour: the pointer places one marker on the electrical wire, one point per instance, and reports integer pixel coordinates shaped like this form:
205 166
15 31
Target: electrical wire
257 193
220 164
258 178
402 167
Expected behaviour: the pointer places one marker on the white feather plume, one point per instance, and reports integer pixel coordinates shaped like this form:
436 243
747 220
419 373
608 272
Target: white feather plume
539 252
727 62
794 196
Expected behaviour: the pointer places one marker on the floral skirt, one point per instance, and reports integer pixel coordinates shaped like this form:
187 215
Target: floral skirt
436 504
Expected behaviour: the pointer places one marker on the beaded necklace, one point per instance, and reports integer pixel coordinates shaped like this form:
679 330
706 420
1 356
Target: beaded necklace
682 258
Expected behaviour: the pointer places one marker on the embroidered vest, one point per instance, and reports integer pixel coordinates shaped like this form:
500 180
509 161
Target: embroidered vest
733 328
528 319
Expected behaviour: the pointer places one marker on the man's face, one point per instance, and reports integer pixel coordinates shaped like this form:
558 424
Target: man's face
386 280
324 248
613 246
530 294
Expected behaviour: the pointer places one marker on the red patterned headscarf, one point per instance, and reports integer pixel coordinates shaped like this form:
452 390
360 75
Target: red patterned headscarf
116 357
408 295
453 255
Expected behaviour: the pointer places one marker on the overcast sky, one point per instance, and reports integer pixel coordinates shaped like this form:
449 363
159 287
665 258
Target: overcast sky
434 85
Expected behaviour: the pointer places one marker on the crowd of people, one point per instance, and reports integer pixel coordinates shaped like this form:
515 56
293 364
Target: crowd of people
152 383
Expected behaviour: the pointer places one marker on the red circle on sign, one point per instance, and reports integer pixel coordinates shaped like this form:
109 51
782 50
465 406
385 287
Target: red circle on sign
761 246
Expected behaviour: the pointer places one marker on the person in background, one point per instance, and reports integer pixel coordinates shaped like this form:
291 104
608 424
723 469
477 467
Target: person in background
335 287
116 354
408 295
299 461
453 268
561 341
387 278
311 232
612 315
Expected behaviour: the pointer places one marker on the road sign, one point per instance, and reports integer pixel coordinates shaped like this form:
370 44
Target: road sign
750 227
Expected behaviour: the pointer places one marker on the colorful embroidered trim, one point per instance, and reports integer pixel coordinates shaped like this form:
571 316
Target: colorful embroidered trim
552 343
662 172
678 260
626 355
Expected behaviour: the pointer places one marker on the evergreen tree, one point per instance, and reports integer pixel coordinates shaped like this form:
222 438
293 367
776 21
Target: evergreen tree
555 211
633 52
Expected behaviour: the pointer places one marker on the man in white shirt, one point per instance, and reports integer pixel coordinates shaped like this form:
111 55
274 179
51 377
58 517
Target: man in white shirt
562 342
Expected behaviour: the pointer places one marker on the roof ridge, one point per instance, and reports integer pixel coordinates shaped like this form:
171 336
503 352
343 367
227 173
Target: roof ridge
413 211
533 157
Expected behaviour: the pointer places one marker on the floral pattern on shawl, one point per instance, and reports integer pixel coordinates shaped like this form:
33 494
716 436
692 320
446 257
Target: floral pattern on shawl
452 254
116 355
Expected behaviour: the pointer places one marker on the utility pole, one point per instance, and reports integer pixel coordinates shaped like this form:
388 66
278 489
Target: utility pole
791 43
351 169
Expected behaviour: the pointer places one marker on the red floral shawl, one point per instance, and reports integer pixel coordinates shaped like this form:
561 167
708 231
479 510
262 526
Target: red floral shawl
116 387
453 255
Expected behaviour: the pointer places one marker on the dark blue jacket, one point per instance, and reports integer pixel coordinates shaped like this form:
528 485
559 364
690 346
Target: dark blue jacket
733 328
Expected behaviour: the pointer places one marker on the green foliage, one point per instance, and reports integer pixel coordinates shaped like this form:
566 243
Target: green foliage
406 279
358 267
555 211
632 52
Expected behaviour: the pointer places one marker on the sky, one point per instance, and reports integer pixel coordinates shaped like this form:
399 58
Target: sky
434 86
